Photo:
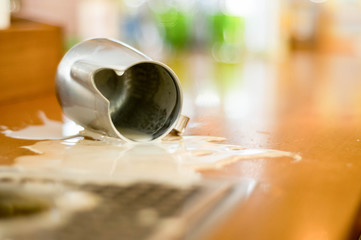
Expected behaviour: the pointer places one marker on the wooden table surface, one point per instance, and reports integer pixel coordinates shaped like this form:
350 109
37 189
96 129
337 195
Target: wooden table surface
308 104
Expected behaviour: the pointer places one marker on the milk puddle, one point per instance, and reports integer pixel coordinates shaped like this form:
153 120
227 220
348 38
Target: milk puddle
50 129
173 159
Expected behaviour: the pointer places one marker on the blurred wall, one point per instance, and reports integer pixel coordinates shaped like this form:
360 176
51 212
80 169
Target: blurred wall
62 13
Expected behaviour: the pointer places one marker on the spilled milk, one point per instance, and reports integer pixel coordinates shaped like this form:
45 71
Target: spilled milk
174 159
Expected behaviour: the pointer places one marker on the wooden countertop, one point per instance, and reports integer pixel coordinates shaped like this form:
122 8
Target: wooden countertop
309 104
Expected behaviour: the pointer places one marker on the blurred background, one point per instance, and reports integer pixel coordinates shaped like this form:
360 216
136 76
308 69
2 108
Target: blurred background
242 63
226 29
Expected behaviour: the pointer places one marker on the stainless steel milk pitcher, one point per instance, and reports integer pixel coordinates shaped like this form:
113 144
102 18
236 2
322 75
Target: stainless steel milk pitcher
113 89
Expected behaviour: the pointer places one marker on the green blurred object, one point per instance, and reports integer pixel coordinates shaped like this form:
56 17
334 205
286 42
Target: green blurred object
227 38
176 25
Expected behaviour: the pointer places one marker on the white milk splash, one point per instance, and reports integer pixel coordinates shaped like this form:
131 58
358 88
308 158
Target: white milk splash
173 160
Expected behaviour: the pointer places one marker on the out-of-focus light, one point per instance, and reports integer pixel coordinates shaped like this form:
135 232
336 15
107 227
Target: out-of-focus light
134 3
318 1
238 7
207 98
262 30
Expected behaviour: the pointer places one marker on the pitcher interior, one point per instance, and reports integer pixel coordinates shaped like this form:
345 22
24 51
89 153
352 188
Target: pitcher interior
144 100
